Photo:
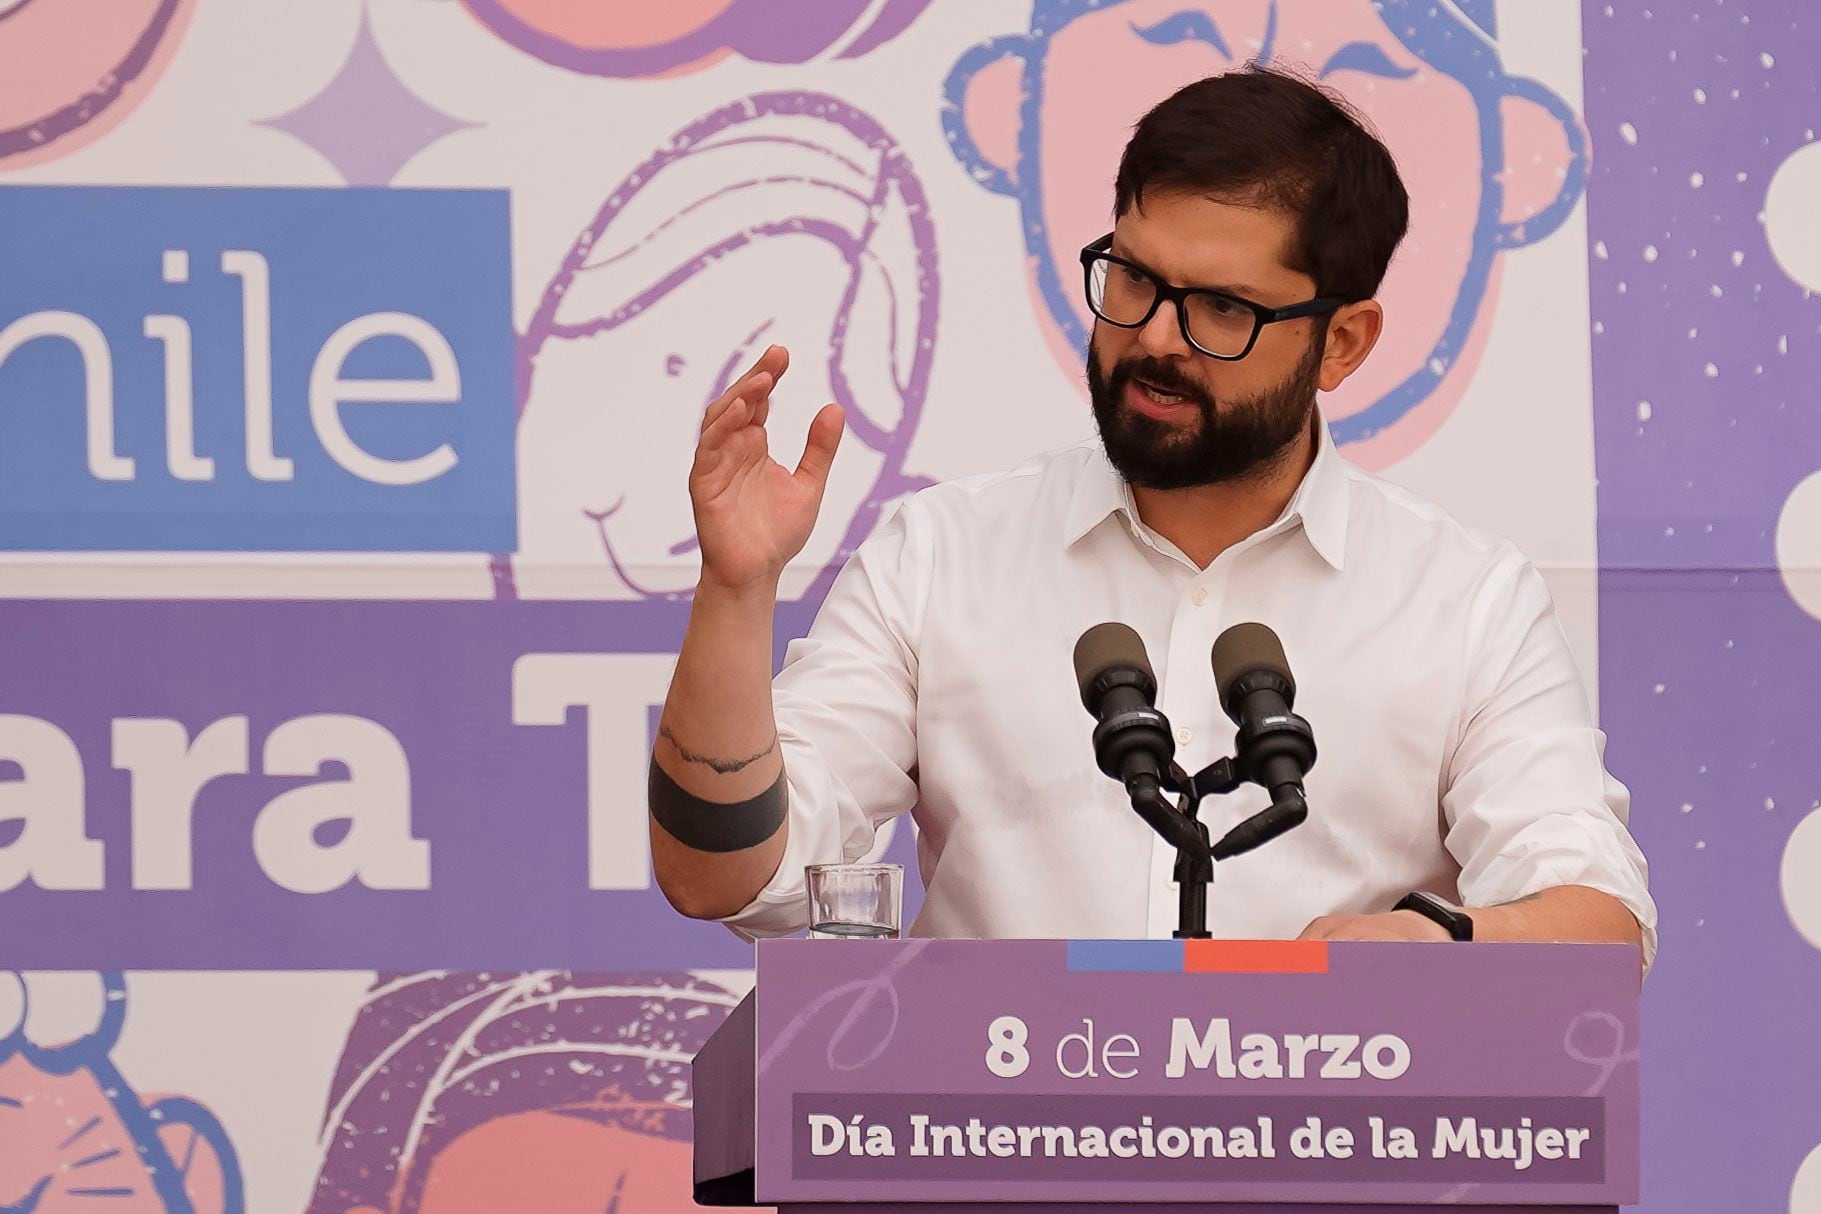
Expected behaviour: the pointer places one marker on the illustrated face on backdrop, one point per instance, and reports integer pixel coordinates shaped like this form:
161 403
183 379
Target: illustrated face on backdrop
555 1092
72 71
1491 162
787 218
74 1133
630 41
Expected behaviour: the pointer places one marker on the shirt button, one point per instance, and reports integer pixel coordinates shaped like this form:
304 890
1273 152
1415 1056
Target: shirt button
1184 735
1201 598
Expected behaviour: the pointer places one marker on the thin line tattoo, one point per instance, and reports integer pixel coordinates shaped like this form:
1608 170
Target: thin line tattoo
721 767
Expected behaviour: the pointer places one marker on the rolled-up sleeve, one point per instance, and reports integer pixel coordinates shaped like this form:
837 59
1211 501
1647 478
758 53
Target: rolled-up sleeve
1527 801
846 709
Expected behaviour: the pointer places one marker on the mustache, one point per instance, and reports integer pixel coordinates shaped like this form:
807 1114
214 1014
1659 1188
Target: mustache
1164 376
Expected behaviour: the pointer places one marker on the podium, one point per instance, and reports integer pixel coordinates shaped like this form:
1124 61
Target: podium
1269 1077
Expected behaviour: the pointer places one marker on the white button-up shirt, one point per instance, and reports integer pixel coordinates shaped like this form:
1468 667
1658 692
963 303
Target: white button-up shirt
1457 750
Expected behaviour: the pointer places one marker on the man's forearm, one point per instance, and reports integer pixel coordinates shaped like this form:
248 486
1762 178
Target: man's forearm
1564 913
719 779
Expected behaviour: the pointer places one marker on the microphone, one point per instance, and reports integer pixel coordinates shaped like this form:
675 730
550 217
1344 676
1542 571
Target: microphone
1252 678
1276 748
1132 738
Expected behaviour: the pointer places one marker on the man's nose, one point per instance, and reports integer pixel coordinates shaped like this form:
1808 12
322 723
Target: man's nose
1161 336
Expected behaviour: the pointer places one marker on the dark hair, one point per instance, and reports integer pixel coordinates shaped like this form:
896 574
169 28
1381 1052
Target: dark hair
1270 137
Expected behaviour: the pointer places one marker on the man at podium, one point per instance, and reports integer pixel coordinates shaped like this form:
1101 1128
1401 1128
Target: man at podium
1254 220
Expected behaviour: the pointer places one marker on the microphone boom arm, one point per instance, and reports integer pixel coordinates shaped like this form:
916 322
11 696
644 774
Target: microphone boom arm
1285 813
1181 827
1287 810
1178 826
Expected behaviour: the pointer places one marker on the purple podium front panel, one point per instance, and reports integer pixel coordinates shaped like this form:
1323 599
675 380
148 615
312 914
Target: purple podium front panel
1198 1072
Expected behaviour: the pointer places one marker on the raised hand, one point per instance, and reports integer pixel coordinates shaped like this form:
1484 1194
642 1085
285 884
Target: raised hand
752 513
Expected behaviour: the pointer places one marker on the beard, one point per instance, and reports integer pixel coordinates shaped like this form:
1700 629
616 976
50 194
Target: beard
1234 441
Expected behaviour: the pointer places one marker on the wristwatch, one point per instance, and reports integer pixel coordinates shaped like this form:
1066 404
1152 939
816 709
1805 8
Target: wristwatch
1458 922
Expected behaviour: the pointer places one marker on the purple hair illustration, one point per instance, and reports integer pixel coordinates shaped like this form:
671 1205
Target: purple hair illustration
782 217
542 1090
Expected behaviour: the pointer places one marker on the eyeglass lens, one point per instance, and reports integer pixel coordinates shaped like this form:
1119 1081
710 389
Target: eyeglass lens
1123 295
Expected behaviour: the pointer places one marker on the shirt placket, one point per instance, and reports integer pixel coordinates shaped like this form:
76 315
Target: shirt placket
1186 696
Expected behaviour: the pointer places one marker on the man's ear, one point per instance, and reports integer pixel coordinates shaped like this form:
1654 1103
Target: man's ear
1545 168
981 100
1352 332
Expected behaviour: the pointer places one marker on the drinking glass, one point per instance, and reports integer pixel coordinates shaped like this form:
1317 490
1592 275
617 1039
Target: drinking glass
849 901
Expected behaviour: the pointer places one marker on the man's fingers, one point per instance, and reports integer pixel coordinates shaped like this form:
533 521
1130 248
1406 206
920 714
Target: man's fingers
776 359
774 362
728 422
1343 928
756 385
824 437
747 387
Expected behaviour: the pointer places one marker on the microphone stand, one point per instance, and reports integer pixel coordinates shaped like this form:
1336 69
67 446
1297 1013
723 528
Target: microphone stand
1181 825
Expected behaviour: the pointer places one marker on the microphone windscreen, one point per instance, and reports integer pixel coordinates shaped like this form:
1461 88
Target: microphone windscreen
1248 649
1107 647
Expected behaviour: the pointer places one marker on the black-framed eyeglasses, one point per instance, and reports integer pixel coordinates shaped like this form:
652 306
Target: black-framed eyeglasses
1219 325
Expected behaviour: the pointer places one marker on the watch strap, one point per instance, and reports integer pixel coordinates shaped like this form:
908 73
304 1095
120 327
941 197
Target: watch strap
1457 922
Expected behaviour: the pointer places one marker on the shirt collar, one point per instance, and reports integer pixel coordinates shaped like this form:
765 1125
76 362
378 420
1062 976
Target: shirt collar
1319 504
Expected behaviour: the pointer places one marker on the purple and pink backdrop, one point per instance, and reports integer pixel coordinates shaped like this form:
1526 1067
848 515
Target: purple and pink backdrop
351 355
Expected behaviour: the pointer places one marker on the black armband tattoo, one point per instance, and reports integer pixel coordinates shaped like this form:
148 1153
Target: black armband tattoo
716 826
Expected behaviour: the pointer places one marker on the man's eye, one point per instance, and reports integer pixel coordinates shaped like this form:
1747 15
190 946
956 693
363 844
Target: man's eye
1129 276
1222 306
